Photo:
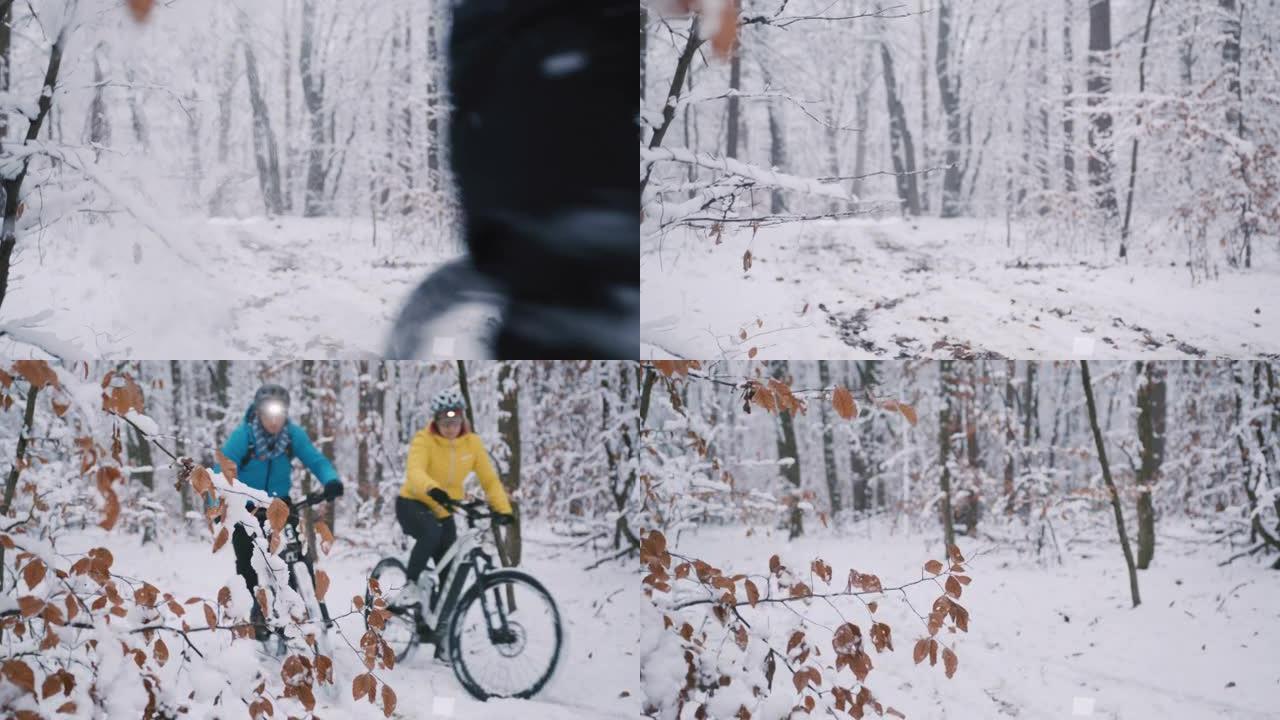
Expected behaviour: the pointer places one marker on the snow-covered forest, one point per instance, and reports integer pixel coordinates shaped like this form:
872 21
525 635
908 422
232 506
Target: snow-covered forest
962 539
119 596
1068 178
269 176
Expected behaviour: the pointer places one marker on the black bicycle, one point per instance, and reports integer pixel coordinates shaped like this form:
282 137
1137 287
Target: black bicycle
499 628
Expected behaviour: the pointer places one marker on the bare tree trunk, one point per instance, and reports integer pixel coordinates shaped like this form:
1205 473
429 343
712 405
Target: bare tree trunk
904 162
313 96
861 471
1099 86
1030 407
777 151
379 405
19 462
1133 156
1111 486
949 92
221 384
465 388
947 425
330 416
828 449
863 462
1046 146
644 57
20 454
1235 115
311 423
409 154
735 118
394 146
179 426
861 116
1231 59
265 154
99 129
677 81
218 202
6 54
1151 439
434 139
1068 87
925 158
364 488
136 115
788 450
509 431
12 184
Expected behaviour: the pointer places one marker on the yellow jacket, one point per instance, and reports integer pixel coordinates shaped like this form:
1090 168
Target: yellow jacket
438 462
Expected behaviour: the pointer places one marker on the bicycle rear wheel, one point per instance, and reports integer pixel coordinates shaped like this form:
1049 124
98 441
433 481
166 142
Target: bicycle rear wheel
401 630
505 636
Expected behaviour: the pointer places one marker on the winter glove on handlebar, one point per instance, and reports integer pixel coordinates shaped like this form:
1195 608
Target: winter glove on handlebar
333 489
441 497
503 519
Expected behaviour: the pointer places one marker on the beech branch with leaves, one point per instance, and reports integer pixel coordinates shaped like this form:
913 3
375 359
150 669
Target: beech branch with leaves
684 590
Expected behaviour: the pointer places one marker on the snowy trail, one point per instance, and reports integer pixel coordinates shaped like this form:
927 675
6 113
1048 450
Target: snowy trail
943 289
595 608
288 287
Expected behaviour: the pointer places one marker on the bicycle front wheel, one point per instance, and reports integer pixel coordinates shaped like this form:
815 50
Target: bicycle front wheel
505 636
318 630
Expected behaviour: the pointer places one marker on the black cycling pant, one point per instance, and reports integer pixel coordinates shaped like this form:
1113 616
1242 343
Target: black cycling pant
433 536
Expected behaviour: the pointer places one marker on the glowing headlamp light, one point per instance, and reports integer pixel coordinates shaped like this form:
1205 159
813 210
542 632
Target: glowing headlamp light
274 408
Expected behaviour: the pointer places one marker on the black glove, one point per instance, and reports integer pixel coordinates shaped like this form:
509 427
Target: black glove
503 519
332 489
441 497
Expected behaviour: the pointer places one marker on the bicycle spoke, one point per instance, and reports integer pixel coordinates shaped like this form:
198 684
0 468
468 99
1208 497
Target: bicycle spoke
507 652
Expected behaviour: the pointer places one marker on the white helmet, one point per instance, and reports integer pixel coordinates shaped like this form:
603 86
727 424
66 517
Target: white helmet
449 399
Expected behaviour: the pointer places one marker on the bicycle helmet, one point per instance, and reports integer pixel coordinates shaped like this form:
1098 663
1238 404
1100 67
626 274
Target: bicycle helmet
445 400
271 397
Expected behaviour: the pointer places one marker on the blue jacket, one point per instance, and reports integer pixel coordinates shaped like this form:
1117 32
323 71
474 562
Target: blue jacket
275 475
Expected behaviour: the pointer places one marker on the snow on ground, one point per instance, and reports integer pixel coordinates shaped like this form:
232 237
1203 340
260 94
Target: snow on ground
940 288
596 678
222 288
1048 642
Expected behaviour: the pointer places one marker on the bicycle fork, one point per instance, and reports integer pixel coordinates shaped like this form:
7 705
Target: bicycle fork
457 580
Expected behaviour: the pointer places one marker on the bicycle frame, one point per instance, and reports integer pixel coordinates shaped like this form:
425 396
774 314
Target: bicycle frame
464 555
292 556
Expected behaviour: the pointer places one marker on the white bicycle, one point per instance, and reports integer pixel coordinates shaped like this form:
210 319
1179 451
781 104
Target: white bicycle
499 628
308 617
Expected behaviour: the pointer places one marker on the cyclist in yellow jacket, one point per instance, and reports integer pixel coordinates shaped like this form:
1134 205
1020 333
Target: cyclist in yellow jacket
441 456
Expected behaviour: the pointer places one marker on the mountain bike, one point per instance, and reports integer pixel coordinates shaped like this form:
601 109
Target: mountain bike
499 628
303 610
450 286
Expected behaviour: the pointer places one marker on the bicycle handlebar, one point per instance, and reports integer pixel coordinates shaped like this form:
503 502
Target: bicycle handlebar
314 498
470 508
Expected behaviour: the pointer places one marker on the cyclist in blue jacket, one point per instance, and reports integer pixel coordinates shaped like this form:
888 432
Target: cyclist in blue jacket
263 447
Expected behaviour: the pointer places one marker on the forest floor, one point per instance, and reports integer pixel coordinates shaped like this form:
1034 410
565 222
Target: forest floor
598 617
1045 640
252 288
861 289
